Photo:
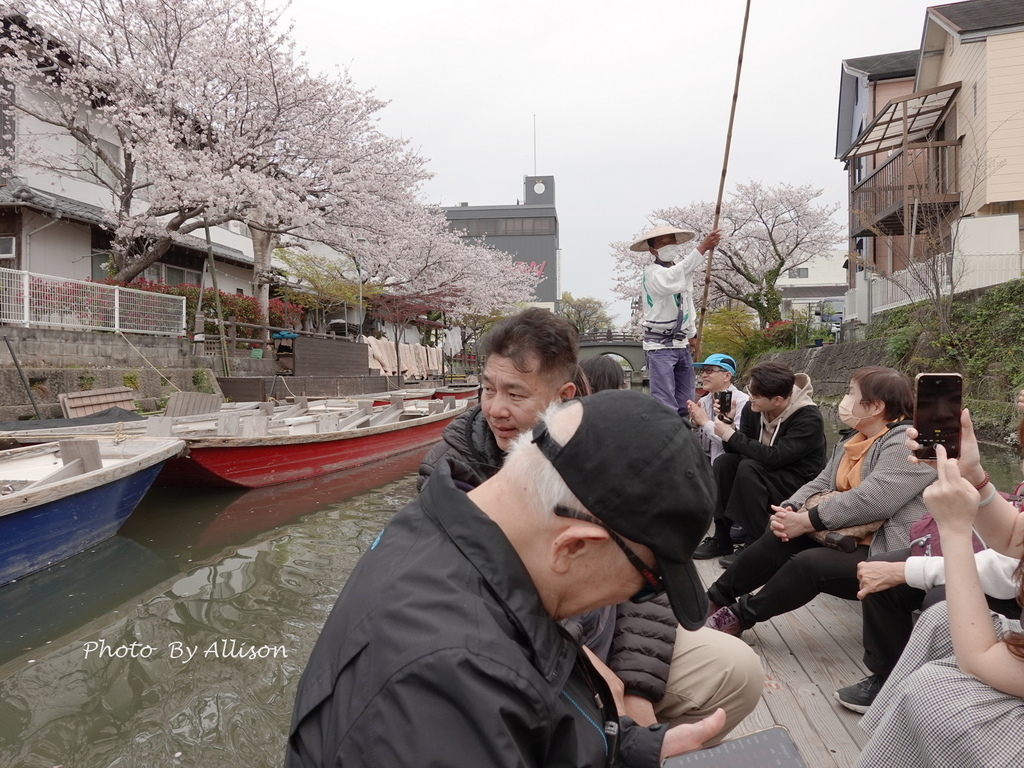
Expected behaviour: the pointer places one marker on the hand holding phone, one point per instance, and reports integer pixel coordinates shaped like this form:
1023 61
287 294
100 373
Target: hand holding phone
937 405
724 402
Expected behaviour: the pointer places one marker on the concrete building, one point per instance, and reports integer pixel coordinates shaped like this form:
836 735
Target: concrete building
931 142
528 230
819 286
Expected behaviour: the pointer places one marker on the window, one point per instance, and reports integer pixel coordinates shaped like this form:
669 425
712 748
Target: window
490 227
94 169
7 247
799 272
179 276
240 291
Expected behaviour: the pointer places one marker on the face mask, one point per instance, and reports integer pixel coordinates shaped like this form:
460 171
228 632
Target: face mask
846 412
670 252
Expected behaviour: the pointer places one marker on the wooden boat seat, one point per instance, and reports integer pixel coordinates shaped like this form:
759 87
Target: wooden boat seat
192 404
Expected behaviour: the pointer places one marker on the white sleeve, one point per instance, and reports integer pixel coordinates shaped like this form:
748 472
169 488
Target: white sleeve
675 279
994 570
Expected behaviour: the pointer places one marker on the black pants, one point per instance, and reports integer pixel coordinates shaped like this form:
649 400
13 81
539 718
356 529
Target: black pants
792 573
745 493
889 617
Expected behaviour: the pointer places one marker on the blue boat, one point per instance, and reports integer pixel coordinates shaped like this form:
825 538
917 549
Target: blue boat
58 499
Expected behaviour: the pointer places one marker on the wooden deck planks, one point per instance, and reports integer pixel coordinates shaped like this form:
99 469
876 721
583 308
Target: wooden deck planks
807 654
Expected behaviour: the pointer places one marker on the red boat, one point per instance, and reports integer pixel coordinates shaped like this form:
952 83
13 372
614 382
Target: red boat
254 462
463 392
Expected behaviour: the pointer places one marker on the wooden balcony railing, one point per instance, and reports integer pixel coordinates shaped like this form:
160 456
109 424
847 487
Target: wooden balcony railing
925 173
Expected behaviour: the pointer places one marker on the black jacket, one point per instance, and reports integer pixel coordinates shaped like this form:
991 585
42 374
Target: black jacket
439 652
795 457
469 441
645 633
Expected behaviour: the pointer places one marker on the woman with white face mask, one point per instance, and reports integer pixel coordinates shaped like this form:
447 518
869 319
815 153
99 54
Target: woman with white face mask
874 480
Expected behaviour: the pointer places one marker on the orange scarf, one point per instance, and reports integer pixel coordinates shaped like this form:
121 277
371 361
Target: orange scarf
854 451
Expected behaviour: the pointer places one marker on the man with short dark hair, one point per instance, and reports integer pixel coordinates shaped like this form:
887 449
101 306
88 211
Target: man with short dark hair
443 648
780 446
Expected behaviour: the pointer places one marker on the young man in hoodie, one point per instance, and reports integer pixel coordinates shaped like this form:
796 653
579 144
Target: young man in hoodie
670 317
780 445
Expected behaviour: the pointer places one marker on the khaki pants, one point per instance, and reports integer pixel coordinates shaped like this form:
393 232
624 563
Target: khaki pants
710 670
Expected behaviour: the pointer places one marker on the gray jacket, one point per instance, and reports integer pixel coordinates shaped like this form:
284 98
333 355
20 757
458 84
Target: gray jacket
890 489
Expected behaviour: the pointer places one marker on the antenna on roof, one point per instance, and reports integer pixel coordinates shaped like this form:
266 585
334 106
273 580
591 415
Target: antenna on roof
535 145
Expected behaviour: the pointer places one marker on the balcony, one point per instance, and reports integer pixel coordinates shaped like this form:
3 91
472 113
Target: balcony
924 177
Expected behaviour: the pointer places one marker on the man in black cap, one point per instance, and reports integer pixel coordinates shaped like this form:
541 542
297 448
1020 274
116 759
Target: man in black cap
444 647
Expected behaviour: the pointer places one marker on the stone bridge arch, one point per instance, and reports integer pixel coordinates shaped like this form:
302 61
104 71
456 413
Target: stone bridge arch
623 345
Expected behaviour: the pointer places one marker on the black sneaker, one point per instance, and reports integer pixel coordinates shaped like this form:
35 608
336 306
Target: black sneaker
728 560
709 548
860 696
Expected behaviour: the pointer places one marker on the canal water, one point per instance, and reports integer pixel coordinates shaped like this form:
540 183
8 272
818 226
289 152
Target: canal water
180 641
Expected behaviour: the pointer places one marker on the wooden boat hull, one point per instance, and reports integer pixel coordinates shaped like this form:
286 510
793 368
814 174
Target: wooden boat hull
255 462
34 538
459 393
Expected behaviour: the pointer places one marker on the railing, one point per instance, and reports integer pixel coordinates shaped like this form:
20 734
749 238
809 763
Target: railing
961 274
608 337
240 340
926 173
34 300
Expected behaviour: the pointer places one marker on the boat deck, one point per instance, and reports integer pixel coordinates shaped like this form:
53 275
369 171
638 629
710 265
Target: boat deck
808 654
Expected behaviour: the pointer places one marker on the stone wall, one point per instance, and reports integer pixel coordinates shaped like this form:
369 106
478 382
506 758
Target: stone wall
830 366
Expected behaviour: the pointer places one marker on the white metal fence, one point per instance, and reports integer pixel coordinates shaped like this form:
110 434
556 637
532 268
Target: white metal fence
35 300
968 273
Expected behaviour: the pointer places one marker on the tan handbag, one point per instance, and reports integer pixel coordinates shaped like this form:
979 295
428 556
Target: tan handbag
843 539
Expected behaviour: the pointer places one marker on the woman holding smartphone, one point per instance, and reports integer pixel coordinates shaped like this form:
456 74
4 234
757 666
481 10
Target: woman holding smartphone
872 481
956 697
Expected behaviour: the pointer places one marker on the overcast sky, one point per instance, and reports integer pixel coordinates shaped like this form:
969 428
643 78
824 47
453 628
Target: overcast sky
631 100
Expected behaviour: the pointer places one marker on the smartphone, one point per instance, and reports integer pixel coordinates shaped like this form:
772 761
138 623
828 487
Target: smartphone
939 399
724 400
772 746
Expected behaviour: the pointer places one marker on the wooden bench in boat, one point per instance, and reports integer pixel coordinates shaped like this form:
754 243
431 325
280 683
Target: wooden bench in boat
807 655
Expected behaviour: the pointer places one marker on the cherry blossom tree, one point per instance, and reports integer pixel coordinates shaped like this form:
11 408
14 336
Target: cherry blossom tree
766 232
196 112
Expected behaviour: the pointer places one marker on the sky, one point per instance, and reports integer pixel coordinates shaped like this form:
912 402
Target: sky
630 101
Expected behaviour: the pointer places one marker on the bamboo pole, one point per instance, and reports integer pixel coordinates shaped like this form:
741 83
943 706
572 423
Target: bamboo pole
721 182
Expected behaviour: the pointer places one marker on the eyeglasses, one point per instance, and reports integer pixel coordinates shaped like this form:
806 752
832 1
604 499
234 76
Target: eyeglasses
712 369
653 586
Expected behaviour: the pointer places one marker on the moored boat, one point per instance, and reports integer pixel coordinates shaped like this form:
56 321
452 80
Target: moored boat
458 391
251 460
58 499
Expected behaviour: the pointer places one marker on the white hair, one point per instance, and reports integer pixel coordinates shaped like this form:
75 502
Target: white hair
531 467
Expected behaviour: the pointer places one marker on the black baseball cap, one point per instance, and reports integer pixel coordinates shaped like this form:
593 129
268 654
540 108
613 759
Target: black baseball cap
636 466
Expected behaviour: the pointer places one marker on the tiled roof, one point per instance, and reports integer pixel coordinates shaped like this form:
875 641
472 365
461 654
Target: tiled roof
978 15
887 65
62 207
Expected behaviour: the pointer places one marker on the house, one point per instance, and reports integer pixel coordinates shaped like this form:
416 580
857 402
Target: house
815 288
931 142
54 217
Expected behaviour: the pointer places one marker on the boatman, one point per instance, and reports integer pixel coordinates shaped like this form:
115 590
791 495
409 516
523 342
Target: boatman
669 674
444 646
670 316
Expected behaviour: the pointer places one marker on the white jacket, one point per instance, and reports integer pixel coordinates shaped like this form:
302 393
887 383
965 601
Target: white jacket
661 287
710 442
994 570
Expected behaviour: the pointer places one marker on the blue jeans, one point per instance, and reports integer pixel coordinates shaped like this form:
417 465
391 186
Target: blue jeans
671 374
